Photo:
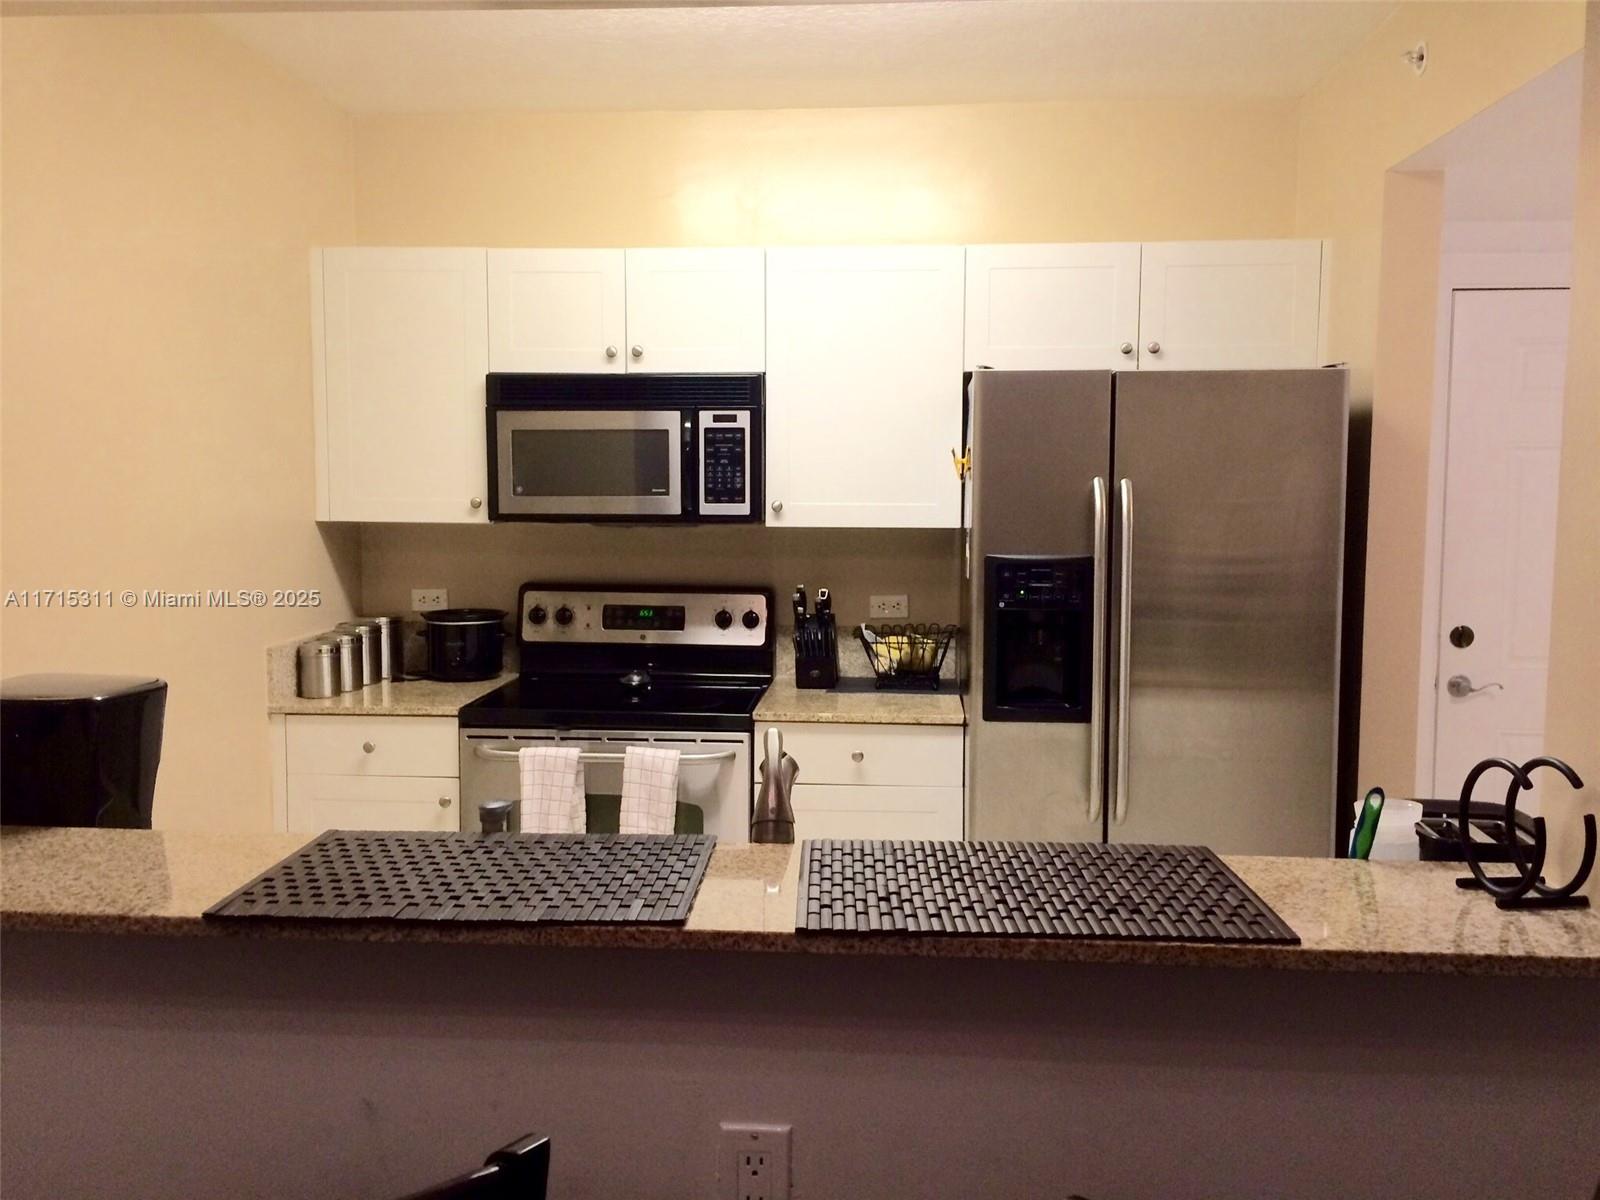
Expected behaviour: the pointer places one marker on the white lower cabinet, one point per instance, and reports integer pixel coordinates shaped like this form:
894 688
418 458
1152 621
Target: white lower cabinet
876 781
371 773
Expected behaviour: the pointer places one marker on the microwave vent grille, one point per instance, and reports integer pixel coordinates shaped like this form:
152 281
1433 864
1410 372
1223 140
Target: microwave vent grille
708 389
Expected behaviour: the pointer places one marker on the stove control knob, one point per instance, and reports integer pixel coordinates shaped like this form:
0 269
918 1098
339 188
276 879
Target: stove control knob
537 615
724 618
563 615
751 619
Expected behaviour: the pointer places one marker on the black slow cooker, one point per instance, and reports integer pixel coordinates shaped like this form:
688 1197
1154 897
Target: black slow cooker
464 643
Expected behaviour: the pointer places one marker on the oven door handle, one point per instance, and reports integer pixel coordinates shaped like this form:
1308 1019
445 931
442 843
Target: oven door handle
602 756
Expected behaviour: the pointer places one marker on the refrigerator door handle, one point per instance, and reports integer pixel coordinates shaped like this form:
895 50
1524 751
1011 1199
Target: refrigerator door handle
1119 801
1097 687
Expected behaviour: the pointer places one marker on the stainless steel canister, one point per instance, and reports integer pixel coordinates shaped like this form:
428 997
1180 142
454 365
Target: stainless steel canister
391 647
319 669
369 649
349 658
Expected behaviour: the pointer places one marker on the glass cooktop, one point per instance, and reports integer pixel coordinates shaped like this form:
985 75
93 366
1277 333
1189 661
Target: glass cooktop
587 702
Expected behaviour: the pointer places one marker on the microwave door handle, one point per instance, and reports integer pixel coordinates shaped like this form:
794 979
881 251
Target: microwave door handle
1119 806
1097 686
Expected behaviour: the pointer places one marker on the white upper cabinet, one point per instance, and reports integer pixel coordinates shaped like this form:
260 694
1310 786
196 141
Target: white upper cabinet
1229 305
557 311
1053 307
864 386
400 347
696 310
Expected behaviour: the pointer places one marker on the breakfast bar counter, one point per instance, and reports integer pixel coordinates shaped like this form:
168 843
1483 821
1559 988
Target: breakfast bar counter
1350 916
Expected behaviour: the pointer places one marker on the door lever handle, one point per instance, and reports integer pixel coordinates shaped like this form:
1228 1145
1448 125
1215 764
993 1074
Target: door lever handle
1461 687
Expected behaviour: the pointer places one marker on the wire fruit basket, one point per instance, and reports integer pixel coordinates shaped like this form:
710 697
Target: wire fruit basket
907 656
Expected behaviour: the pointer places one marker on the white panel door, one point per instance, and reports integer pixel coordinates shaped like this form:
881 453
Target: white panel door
404 348
1507 372
557 311
696 310
1053 307
1229 305
319 802
864 386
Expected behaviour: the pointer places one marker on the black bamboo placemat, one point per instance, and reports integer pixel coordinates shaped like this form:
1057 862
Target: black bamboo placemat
1030 889
540 879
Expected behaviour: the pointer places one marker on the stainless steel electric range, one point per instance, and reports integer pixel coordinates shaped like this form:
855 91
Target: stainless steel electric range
604 668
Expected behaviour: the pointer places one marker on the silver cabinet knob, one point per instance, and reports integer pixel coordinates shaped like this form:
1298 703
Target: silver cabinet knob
777 506
857 756
444 801
1154 347
368 747
1126 347
637 352
476 502
611 351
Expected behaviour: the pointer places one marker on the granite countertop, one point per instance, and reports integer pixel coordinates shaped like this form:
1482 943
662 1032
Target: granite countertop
1351 916
786 702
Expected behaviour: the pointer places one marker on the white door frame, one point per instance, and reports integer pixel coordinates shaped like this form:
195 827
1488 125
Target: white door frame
1475 256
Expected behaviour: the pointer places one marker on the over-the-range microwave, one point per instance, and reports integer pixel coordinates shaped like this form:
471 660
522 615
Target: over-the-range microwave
683 448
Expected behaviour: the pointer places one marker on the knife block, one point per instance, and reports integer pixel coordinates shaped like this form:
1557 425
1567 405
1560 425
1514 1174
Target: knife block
816 651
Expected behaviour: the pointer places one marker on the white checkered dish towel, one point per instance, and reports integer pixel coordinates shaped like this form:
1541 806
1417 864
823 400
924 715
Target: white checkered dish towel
649 790
552 790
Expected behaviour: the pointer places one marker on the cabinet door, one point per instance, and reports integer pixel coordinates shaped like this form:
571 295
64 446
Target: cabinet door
319 802
556 311
696 310
864 386
403 346
1053 308
1229 305
841 811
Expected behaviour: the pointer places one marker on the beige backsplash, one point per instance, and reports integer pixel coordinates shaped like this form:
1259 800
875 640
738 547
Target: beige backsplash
484 565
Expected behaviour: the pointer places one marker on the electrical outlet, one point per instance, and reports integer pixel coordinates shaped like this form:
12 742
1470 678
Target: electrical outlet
428 599
755 1161
889 606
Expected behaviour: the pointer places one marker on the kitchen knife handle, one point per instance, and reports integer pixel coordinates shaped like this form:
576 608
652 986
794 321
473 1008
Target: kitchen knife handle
1097 689
1119 802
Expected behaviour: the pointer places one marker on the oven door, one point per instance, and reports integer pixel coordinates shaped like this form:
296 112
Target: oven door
713 774
582 463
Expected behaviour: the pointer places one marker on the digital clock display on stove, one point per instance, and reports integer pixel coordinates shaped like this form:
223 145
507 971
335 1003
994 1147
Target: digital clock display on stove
641 616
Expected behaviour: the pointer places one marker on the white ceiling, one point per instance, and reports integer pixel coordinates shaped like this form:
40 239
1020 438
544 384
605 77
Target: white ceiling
1517 160
809 55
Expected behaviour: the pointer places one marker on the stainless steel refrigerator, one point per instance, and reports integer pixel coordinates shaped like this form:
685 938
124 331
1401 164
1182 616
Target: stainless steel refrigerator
1153 595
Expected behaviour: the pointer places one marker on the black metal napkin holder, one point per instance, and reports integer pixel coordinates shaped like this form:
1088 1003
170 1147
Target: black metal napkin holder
1526 889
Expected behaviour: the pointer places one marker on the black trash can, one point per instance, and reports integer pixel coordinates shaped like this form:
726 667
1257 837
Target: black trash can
80 749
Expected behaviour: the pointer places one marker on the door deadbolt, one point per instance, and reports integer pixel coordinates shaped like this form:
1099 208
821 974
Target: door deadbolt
1461 636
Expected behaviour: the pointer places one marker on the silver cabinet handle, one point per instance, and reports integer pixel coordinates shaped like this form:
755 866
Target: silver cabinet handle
1097 668
368 747
611 351
1154 347
1119 803
777 506
444 801
1461 687
637 352
1126 347
857 756
476 502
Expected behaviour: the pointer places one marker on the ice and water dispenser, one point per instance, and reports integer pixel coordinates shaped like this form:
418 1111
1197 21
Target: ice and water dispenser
1038 638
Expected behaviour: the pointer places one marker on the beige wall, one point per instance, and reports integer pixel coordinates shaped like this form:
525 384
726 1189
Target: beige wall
1362 118
161 189
1002 172
1573 724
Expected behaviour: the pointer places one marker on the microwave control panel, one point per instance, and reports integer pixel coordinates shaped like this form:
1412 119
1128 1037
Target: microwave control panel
724 462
